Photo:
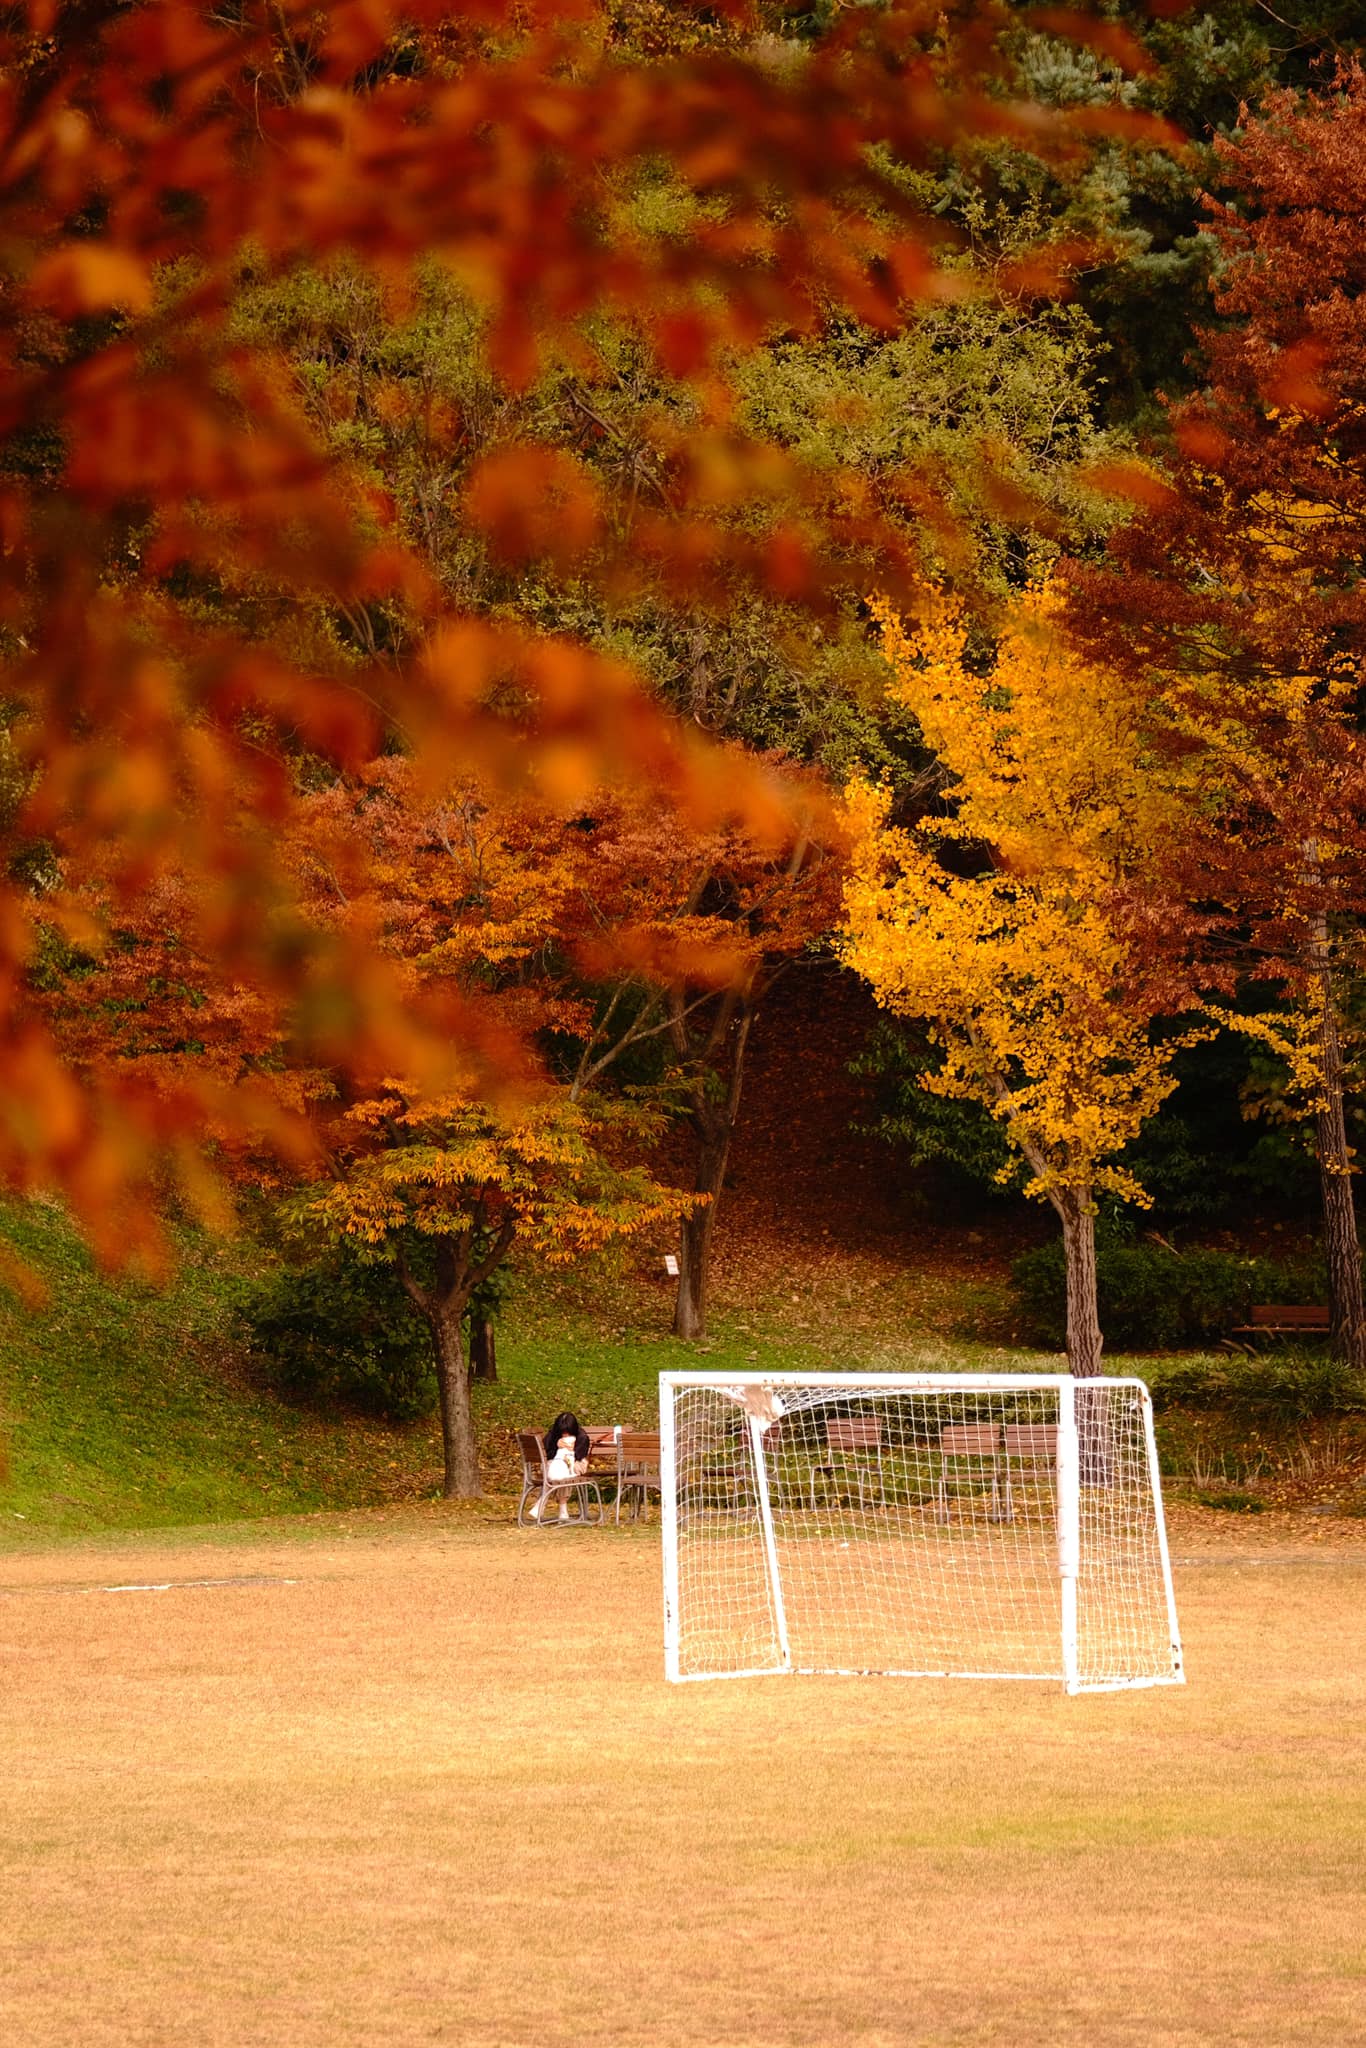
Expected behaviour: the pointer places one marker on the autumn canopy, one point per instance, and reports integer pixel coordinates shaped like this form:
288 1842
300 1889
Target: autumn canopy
197 596
392 508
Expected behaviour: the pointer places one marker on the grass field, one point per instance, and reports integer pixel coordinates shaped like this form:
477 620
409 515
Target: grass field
414 1778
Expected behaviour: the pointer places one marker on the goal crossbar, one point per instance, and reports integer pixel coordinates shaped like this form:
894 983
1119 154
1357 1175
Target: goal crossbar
974 1525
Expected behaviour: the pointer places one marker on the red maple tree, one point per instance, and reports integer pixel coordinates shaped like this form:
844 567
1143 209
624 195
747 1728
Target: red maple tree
1240 592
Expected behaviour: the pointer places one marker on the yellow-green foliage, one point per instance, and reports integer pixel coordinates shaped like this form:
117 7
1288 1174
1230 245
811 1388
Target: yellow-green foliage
1014 951
458 1169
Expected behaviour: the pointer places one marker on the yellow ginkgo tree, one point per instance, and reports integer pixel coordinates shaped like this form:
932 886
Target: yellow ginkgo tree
1012 922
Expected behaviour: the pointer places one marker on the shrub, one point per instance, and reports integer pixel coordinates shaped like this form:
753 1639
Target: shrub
1280 1388
343 1334
1152 1298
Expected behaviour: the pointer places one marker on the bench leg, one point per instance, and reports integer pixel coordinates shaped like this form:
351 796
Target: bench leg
535 1520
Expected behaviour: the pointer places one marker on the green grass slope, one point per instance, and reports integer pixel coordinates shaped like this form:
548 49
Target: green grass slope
124 1406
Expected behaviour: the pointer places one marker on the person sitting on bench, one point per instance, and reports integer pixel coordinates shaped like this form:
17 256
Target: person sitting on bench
566 1448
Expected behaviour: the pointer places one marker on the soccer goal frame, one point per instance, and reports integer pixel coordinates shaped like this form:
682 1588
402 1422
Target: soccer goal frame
953 1525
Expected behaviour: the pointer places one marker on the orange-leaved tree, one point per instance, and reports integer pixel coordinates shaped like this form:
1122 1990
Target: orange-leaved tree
444 1188
631 952
1013 922
477 897
471 902
193 592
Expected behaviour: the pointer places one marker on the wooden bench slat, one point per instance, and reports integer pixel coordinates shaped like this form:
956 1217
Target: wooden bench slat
1031 1440
970 1439
1268 1317
853 1433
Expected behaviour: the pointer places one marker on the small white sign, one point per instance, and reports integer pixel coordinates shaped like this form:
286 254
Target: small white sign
671 1265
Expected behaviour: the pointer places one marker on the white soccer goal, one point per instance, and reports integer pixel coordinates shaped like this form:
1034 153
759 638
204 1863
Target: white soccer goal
954 1525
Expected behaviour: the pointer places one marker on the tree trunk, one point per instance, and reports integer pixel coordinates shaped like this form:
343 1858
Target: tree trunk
444 1308
483 1349
714 1122
460 1480
1084 1339
694 1239
1347 1310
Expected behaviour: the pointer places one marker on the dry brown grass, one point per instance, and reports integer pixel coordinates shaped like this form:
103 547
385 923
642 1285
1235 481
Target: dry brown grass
435 1790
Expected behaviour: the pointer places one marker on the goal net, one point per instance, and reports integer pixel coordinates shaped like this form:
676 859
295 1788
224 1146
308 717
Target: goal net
955 1525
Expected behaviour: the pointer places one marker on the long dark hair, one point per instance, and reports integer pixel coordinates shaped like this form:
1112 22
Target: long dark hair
566 1425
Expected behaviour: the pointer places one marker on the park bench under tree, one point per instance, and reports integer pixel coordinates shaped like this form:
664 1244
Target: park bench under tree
849 1441
626 1459
536 1480
1285 1319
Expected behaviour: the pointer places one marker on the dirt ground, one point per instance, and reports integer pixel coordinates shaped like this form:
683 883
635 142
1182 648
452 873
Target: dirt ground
417 1779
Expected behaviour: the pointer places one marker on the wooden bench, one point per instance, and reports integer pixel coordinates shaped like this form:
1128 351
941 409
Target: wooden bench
536 1480
638 1472
628 1458
976 1444
1017 1448
1028 1447
1286 1319
853 1450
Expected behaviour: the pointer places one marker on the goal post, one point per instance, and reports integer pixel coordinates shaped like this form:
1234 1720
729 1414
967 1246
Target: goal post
956 1525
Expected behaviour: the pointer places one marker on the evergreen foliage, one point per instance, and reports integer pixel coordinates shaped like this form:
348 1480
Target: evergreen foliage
1152 1298
1222 1142
340 1333
1285 1389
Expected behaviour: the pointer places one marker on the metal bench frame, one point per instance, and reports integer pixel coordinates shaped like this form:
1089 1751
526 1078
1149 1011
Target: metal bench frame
536 1479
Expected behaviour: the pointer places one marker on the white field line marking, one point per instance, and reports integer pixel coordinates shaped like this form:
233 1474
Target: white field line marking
182 1585
1246 1562
151 1586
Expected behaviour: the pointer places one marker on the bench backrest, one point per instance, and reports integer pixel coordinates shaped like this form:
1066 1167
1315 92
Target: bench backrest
533 1456
970 1439
1271 1314
640 1446
853 1433
1037 1440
